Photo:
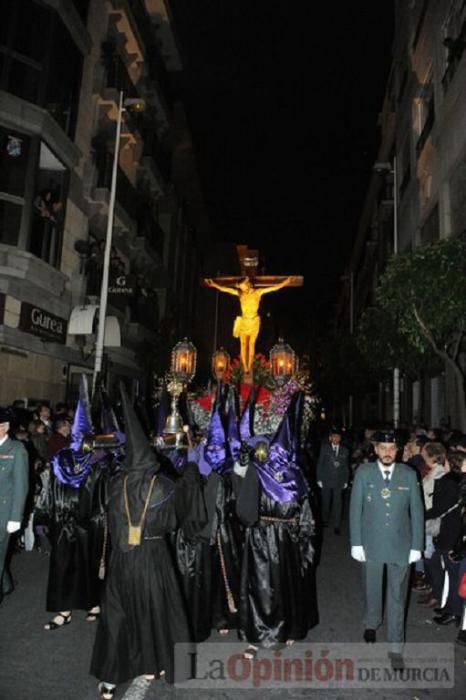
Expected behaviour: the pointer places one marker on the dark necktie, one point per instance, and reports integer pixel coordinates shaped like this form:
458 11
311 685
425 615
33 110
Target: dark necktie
387 477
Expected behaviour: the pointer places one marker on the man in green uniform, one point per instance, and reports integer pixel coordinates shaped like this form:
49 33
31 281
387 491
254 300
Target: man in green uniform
14 485
387 529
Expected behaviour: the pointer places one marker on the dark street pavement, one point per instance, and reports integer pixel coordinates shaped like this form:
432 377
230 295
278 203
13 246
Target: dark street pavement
40 665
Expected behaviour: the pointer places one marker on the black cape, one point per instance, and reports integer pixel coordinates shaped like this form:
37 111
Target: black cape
143 613
77 534
278 592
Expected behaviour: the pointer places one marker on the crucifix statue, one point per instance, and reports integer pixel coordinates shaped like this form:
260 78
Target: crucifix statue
249 288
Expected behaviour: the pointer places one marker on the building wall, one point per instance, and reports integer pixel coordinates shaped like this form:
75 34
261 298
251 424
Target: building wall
30 364
423 126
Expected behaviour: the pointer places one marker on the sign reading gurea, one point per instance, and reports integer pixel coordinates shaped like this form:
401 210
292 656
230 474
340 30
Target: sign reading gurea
42 323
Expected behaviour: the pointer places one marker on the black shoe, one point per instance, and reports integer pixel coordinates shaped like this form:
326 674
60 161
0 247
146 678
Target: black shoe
369 636
337 531
53 625
439 611
444 619
461 638
106 692
396 661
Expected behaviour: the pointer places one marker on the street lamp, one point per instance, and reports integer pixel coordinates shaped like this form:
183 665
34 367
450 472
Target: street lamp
391 169
135 105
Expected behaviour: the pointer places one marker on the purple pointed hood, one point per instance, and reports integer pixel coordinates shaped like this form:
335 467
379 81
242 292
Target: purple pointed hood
82 424
108 420
70 465
246 424
215 447
281 476
233 436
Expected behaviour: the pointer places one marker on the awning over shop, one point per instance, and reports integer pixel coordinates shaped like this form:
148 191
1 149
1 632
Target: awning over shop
83 321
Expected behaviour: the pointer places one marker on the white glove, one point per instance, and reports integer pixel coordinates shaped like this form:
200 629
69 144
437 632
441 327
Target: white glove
320 484
12 526
357 553
345 486
414 556
240 470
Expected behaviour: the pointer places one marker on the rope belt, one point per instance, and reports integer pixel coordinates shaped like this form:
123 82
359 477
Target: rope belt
271 519
230 600
101 574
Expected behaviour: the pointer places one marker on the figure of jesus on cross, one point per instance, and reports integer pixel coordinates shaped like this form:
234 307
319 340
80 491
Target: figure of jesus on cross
246 327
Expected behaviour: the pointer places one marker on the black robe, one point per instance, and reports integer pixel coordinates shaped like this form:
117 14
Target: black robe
227 537
199 561
192 558
77 533
278 592
143 613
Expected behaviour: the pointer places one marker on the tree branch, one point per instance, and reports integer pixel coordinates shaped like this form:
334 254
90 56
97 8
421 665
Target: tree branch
427 333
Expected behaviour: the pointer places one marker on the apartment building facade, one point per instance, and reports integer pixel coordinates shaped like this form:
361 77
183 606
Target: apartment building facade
63 66
417 192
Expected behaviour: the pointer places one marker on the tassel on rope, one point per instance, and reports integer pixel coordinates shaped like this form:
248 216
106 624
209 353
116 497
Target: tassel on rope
230 600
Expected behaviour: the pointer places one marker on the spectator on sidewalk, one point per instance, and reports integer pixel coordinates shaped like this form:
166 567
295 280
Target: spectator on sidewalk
433 455
333 473
39 439
44 414
445 507
59 439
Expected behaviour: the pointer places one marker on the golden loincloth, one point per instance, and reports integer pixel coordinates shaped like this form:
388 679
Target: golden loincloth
244 326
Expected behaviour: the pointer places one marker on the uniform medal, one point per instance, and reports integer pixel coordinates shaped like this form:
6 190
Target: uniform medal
385 493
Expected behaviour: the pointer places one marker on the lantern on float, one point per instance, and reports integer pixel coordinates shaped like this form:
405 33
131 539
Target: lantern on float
282 361
182 371
183 362
220 364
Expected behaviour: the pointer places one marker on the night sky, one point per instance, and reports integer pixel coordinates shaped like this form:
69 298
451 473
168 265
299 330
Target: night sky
282 100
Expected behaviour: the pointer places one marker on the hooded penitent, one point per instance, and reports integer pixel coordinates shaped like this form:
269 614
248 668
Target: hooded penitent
246 424
140 465
213 455
162 412
233 436
108 420
71 466
280 475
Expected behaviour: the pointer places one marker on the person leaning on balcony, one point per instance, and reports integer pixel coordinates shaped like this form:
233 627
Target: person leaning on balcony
14 486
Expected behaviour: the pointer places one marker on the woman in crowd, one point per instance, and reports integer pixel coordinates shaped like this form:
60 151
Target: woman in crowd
443 570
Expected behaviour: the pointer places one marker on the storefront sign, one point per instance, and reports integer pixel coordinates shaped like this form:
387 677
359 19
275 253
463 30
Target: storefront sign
42 323
121 286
